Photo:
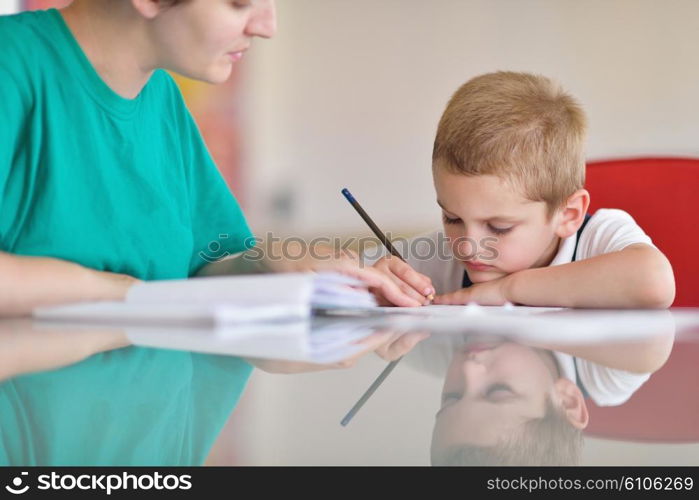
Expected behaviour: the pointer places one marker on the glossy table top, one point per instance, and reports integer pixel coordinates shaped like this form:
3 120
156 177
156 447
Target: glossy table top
480 386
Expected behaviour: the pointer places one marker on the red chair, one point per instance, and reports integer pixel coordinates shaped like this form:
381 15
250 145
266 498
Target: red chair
661 194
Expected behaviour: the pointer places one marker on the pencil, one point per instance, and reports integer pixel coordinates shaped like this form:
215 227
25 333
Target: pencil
375 229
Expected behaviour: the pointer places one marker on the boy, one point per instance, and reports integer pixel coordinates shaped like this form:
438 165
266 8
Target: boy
509 167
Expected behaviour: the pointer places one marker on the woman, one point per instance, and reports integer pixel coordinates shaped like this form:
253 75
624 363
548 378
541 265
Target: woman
104 181
104 178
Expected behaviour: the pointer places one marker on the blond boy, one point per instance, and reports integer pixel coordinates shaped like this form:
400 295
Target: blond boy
509 169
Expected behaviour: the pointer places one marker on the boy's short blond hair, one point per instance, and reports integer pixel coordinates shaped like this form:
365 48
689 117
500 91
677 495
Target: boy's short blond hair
547 441
520 127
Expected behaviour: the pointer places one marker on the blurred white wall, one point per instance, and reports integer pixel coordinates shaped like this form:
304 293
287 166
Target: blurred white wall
349 94
8 6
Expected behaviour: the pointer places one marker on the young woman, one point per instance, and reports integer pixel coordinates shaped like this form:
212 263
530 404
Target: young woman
104 178
104 181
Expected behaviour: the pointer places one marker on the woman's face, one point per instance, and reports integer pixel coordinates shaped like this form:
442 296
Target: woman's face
202 39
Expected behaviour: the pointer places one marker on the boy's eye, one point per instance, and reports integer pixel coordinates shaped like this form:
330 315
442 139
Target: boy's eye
499 392
499 230
450 220
449 396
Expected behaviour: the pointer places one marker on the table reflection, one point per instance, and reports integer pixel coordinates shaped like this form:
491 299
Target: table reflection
523 395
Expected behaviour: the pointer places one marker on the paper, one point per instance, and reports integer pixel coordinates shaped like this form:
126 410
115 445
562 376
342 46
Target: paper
439 310
220 300
170 314
294 341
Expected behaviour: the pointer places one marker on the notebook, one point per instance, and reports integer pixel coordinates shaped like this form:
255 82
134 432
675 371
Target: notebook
222 300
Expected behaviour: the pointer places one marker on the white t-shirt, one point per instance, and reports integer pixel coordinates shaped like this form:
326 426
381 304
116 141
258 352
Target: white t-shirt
605 386
608 230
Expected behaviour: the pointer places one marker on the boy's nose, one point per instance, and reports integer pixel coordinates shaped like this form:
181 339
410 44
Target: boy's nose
466 248
474 370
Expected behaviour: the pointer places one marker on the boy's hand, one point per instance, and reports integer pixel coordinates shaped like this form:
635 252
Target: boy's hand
488 293
386 290
411 283
400 344
387 344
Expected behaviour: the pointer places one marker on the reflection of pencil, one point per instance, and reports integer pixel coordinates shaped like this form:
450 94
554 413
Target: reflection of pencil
375 229
369 391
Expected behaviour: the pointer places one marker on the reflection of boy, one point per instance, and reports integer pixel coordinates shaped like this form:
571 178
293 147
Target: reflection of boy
506 403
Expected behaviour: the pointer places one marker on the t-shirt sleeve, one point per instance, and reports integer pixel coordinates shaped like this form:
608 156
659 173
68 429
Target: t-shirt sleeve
609 230
608 386
219 228
604 385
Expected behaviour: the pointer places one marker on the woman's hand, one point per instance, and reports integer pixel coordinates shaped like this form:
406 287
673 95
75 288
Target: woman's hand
112 286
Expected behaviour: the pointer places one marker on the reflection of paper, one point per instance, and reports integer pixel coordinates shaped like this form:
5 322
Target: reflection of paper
297 341
574 325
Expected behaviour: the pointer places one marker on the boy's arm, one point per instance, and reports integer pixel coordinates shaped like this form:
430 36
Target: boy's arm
639 276
645 355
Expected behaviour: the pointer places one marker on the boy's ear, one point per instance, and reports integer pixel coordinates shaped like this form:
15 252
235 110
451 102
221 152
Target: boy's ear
571 400
572 213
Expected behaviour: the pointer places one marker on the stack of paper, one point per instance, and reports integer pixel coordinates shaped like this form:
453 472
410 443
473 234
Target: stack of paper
221 300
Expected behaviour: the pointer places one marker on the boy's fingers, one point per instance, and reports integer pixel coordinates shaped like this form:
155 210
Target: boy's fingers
401 346
410 291
384 284
421 283
389 289
396 296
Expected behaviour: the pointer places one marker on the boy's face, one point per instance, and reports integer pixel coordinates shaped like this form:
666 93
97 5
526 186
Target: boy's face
493 229
491 388
202 39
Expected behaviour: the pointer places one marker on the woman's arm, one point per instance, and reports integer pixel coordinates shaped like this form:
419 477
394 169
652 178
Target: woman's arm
27 348
29 282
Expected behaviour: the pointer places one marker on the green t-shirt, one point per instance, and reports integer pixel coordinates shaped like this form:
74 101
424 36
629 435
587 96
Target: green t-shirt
114 184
